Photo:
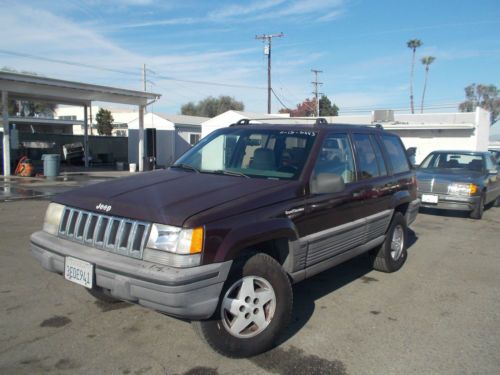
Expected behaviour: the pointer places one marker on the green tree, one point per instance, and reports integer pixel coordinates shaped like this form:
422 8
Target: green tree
427 60
211 107
326 108
413 44
104 120
484 96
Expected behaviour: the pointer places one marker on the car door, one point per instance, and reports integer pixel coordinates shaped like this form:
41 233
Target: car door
334 221
372 197
492 179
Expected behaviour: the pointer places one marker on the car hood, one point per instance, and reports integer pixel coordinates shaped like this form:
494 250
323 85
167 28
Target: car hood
450 175
172 196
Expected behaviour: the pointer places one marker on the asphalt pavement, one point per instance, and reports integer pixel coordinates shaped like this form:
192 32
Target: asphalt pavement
440 314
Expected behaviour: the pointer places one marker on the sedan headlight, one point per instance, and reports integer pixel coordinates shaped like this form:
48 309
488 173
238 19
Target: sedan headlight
53 218
462 189
174 246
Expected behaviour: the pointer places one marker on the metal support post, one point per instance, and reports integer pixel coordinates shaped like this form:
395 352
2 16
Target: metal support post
6 134
85 136
141 138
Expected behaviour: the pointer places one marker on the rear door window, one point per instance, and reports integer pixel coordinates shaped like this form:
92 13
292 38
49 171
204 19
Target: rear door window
396 153
370 160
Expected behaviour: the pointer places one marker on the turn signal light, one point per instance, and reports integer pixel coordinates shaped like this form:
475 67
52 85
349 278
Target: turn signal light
472 189
196 241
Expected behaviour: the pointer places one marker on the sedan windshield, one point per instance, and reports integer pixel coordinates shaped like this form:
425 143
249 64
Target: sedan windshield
255 153
453 160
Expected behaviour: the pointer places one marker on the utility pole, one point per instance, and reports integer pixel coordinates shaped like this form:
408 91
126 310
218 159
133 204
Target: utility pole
267 38
316 85
144 81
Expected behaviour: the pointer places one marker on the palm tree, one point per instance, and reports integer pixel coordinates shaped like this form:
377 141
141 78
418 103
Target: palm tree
427 60
413 44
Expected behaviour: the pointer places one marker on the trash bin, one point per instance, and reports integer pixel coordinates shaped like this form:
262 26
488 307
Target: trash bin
51 163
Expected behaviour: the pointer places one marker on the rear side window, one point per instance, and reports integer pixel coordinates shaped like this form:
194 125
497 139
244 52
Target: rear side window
396 153
370 160
380 158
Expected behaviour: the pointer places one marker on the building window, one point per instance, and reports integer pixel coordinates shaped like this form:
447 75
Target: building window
71 118
194 138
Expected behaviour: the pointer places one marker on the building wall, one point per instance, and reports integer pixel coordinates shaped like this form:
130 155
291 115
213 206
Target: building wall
443 136
430 140
165 146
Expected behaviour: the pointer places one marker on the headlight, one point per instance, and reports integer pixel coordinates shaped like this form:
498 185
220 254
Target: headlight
53 218
462 189
174 246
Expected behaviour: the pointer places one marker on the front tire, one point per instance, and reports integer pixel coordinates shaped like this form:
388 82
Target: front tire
392 254
254 308
477 212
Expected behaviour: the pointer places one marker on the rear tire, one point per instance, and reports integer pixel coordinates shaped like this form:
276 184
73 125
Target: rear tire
477 212
496 202
392 254
254 308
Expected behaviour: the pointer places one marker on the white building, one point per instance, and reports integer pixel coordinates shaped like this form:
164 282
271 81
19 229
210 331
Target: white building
425 132
230 117
166 136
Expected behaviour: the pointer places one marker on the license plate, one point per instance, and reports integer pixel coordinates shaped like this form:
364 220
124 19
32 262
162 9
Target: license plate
429 198
79 271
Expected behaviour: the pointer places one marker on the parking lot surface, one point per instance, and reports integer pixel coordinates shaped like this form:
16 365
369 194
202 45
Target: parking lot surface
439 315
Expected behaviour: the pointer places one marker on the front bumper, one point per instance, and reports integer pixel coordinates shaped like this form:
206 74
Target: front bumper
188 293
452 202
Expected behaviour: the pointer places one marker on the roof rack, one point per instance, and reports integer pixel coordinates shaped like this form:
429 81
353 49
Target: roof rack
246 121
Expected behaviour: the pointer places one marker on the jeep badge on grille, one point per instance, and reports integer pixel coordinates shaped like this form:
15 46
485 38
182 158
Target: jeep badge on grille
103 207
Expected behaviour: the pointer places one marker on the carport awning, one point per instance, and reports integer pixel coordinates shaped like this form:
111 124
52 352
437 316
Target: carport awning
36 88
30 87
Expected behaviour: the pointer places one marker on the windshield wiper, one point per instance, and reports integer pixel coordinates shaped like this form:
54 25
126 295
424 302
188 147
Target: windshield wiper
185 166
229 173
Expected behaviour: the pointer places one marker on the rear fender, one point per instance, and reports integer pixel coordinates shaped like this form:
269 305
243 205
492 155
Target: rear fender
402 197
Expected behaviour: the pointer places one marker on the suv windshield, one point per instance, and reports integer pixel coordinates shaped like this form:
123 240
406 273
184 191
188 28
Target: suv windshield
453 160
256 153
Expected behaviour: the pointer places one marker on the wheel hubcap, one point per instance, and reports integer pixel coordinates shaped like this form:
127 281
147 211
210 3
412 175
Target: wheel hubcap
397 242
248 307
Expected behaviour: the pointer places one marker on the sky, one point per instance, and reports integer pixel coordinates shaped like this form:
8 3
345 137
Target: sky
360 45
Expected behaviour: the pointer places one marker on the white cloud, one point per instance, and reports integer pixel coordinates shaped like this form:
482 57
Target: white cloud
241 10
301 7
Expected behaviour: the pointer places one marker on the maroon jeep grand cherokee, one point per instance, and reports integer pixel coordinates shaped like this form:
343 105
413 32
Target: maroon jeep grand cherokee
220 236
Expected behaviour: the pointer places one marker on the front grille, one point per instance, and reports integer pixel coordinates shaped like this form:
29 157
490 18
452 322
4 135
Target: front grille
428 186
115 234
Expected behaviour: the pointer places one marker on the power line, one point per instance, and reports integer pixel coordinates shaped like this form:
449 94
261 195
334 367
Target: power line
65 62
159 76
279 100
267 51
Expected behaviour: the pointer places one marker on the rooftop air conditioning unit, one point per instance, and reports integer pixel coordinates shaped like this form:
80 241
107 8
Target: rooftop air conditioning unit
383 115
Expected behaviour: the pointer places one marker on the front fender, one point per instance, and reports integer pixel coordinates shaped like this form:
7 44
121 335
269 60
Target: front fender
248 235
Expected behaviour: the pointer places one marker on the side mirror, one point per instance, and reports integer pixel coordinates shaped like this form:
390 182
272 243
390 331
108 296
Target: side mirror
327 183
